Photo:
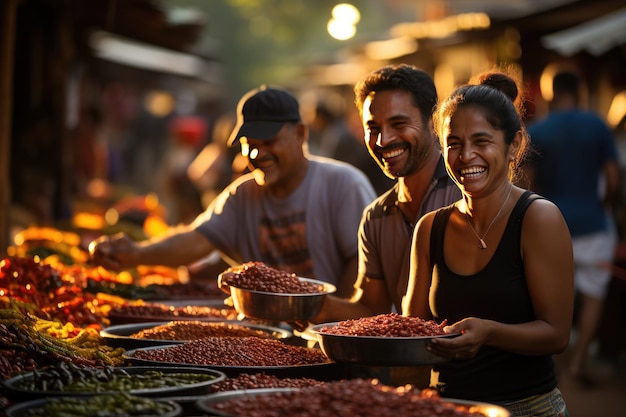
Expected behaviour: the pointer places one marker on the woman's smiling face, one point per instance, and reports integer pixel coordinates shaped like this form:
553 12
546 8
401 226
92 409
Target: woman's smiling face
475 152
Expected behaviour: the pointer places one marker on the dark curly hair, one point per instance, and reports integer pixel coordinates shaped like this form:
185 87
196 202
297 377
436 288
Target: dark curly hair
400 77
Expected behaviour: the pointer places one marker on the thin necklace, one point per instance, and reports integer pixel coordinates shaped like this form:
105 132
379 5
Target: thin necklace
483 245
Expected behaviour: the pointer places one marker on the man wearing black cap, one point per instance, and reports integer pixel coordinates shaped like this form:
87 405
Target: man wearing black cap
293 212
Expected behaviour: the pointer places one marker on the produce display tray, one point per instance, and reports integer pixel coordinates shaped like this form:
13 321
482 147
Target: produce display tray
118 335
207 403
321 371
24 409
17 393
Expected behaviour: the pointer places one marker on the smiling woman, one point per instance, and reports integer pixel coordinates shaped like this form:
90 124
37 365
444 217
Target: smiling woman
510 297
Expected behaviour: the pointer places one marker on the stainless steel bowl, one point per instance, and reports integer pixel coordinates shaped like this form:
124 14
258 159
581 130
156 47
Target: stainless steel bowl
325 371
119 335
209 402
280 307
377 350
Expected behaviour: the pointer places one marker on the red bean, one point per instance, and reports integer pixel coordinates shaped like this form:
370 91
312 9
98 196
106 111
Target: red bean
387 325
167 312
261 380
355 398
235 351
192 330
259 277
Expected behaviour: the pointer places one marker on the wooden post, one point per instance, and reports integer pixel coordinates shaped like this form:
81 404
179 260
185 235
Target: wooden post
8 13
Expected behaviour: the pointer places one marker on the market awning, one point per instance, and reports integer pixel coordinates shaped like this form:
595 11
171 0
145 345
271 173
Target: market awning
595 36
112 47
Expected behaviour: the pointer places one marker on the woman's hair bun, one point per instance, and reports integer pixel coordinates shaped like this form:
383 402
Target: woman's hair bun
500 81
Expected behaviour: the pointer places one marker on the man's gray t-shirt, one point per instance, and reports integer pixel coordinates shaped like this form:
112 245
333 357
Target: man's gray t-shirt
385 234
312 232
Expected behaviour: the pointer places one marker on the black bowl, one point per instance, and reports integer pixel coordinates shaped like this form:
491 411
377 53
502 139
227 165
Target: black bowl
16 392
24 409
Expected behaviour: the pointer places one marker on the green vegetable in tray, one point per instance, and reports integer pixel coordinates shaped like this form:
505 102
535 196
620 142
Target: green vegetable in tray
114 405
70 378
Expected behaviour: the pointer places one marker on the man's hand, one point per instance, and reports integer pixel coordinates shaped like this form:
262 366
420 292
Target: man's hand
300 325
221 282
116 253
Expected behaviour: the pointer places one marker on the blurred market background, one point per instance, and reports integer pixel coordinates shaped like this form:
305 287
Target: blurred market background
104 104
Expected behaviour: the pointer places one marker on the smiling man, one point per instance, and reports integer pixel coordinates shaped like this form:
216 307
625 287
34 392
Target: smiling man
396 104
293 212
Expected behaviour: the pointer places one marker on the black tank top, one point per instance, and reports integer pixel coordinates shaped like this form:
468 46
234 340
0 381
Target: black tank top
498 292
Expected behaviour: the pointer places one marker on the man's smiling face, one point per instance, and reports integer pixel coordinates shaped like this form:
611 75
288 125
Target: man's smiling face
395 133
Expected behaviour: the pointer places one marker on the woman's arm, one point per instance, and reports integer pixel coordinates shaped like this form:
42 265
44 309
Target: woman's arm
415 302
549 267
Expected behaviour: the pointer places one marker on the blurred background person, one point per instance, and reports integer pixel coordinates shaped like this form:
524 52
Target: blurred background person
180 196
210 172
217 164
575 165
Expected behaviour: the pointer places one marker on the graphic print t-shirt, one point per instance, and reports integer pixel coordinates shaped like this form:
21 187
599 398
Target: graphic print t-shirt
312 232
283 243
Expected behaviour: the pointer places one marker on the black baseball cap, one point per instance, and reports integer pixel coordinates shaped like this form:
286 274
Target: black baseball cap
262 112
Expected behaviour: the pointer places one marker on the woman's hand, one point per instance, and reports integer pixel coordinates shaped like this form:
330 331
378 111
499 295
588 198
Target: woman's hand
473 334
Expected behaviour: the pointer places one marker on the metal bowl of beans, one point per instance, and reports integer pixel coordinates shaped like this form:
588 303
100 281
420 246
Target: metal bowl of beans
274 306
236 355
355 397
211 310
376 350
135 335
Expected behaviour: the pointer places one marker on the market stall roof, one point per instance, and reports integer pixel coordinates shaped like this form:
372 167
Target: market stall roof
142 20
125 51
595 36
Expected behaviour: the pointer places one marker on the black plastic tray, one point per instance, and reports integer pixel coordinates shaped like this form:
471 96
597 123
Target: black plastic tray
17 393
23 409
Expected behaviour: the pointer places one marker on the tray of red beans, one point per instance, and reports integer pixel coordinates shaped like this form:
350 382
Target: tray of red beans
135 335
212 310
236 355
261 292
382 340
354 397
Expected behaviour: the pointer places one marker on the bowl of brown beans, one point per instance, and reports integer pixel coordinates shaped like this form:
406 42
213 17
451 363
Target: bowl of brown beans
354 397
236 355
134 335
382 340
264 293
